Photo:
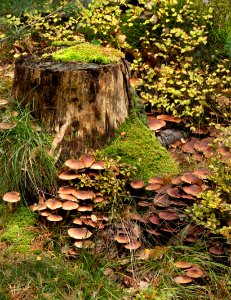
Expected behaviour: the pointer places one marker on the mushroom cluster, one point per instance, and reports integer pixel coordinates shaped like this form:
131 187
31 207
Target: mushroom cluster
190 272
162 204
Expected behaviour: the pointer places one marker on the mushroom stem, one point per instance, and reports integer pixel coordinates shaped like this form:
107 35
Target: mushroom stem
10 206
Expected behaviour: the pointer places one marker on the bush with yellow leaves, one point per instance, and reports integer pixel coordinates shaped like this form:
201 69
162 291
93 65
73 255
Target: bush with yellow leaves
165 38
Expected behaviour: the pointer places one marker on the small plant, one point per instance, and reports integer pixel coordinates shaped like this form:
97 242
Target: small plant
212 211
24 161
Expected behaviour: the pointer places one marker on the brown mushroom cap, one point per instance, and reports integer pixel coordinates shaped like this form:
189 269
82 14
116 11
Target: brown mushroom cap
193 189
195 272
84 208
68 197
182 279
44 213
156 124
168 215
54 218
152 186
84 195
74 164
169 118
41 206
133 245
154 219
137 184
68 175
191 178
122 239
98 165
77 221
66 190
156 180
70 205
87 160
53 204
202 173
12 197
216 250
188 147
183 264
162 201
79 233
174 192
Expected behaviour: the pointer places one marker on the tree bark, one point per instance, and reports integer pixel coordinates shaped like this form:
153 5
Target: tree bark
81 103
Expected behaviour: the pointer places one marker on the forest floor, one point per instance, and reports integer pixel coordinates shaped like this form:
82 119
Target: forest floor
177 260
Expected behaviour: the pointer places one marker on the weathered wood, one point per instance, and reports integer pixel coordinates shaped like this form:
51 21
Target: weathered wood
81 103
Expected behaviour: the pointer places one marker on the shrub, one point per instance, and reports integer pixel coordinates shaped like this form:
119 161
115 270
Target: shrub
166 38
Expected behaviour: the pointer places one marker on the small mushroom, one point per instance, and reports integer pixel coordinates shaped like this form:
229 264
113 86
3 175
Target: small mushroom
79 233
11 197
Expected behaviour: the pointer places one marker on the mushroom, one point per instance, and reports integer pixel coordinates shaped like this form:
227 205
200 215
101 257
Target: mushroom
137 184
11 197
74 164
182 279
79 233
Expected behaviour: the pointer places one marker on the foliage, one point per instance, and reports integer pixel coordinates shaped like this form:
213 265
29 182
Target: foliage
24 161
169 37
213 208
50 21
87 52
136 145
111 183
16 229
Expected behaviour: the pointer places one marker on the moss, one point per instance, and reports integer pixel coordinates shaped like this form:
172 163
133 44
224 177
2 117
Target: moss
138 146
17 230
87 52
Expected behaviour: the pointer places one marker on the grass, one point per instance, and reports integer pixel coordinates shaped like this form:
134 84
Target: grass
24 161
86 52
56 278
138 146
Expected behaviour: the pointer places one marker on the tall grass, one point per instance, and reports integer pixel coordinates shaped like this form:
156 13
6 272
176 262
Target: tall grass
25 165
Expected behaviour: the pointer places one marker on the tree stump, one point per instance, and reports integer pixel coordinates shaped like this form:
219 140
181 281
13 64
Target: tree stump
81 103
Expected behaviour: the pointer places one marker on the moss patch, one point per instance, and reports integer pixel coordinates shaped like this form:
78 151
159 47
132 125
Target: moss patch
138 146
17 231
87 52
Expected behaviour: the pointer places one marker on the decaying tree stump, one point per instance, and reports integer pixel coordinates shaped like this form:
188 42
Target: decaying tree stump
81 103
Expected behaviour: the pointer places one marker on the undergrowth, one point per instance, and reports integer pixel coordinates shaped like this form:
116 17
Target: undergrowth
24 161
55 278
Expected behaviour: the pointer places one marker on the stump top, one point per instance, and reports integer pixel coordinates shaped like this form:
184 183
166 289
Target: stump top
51 65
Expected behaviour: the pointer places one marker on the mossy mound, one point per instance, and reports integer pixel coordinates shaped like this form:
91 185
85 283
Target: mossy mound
86 52
17 227
135 144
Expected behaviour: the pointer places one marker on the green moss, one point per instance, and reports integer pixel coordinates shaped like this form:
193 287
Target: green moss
138 146
87 52
17 230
